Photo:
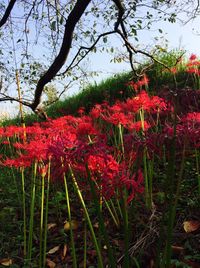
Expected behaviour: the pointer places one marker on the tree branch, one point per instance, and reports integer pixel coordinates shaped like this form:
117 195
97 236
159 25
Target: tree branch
59 61
7 12
71 66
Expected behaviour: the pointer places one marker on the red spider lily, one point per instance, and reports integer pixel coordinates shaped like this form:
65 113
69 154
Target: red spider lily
141 101
21 161
116 108
193 57
193 63
81 111
116 119
173 70
100 163
195 117
12 130
137 126
5 142
18 145
133 85
95 112
1 131
37 149
133 183
42 169
138 85
144 81
85 128
192 71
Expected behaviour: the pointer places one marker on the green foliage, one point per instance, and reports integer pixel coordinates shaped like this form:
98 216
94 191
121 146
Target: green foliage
110 90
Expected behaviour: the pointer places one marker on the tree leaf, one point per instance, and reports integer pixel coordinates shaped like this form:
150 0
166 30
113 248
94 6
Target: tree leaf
191 226
53 26
105 39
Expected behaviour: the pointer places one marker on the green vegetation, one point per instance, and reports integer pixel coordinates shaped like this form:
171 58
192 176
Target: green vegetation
114 184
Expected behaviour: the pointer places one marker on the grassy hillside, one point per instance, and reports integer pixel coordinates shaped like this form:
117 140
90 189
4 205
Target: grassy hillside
115 87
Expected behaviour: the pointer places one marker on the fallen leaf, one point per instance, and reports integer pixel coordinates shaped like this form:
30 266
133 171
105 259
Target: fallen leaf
51 225
6 262
177 249
73 225
96 225
191 226
64 250
53 250
50 263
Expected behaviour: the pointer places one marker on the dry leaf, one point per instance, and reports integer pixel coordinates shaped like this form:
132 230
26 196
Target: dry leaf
6 262
51 225
96 225
177 249
73 225
191 226
53 250
50 263
64 251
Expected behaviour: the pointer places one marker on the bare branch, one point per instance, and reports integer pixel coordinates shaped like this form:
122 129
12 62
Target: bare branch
9 98
71 66
120 14
121 23
7 12
136 51
59 61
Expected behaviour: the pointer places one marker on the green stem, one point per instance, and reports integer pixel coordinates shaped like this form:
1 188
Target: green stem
102 227
30 238
24 208
88 218
41 223
126 230
121 138
46 214
70 220
171 182
146 180
112 213
197 167
172 213
85 246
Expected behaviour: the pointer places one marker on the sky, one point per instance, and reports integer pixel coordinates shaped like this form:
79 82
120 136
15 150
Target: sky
178 36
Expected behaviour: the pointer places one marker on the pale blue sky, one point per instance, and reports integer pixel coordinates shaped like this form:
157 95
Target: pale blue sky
178 36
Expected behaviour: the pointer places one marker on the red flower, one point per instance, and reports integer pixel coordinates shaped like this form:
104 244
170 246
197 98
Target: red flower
192 57
137 126
22 161
144 81
173 70
81 111
192 70
42 169
134 85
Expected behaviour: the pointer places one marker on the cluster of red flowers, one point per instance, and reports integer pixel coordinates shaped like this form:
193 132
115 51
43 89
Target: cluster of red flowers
137 86
193 65
93 143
